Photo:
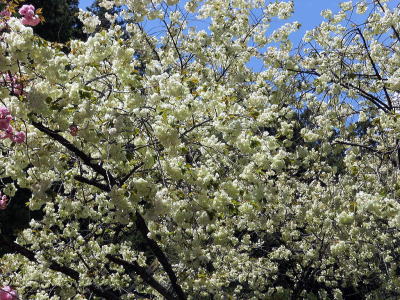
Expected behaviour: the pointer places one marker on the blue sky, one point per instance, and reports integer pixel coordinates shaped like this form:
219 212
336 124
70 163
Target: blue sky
307 12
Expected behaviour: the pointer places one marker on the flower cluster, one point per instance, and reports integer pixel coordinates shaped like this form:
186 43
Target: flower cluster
163 166
6 128
12 83
29 17
5 13
7 293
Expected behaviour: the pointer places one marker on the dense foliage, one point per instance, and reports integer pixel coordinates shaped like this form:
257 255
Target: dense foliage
182 173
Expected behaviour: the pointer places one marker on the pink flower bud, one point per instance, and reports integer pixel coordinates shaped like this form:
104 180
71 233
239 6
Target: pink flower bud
7 293
12 82
5 118
3 205
19 137
18 89
5 13
4 112
8 133
5 122
16 86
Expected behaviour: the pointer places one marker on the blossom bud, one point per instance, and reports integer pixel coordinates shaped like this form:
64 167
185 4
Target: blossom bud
5 118
19 137
5 13
8 133
7 293
3 204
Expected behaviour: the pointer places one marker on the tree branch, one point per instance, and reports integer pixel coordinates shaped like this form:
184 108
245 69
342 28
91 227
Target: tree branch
103 187
142 227
16 248
142 272
362 146
83 156
194 127
375 68
126 177
376 101
396 33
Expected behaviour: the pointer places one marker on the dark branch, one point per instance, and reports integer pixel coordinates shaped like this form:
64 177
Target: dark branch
370 97
362 146
92 182
396 33
85 158
153 49
194 126
142 272
375 68
126 177
142 227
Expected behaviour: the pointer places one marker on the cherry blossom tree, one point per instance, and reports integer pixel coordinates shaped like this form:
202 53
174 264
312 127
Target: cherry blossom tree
185 174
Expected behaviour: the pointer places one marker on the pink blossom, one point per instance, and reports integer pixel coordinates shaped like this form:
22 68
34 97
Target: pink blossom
8 133
5 118
29 17
6 130
5 13
19 137
31 21
16 87
5 122
27 10
4 112
7 293
3 205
